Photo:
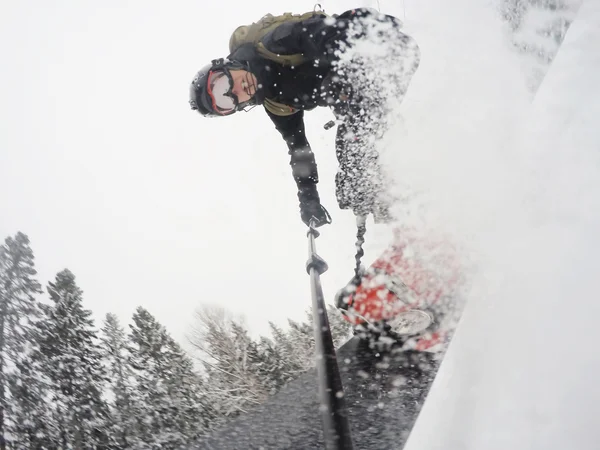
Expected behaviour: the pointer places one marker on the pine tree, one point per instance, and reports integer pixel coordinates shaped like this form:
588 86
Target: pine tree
291 352
147 346
275 364
18 310
189 405
32 423
229 358
242 372
167 400
341 330
116 357
302 338
72 361
295 347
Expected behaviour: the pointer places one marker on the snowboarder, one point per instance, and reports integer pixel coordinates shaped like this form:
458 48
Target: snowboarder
294 63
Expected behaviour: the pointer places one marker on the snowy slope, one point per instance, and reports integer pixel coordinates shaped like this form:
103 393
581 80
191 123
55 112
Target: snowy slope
521 371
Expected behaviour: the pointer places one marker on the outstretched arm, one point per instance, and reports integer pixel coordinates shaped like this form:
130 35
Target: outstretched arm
302 159
304 167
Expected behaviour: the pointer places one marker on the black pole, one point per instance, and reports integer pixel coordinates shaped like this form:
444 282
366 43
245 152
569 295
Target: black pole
336 428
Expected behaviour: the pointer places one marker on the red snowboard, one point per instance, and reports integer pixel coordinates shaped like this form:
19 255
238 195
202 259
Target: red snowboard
412 287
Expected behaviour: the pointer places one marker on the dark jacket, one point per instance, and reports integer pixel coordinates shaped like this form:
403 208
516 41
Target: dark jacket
302 86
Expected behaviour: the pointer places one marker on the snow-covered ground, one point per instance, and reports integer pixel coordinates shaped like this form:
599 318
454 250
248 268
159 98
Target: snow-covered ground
521 370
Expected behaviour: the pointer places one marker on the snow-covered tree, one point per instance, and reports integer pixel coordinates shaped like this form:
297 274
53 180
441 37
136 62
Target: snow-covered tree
341 330
18 311
243 372
167 403
72 360
32 423
281 363
294 348
189 405
120 384
228 356
270 365
296 344
147 347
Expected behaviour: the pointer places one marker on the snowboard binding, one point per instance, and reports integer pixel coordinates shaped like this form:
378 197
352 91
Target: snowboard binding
382 309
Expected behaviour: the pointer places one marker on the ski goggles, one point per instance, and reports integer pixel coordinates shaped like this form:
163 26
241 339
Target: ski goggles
220 86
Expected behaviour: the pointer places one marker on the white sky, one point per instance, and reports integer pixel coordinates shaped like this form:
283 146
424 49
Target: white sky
107 170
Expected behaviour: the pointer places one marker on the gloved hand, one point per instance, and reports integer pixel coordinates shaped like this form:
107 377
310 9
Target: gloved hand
313 209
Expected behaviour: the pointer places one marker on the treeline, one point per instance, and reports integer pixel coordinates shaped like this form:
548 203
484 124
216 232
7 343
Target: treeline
66 384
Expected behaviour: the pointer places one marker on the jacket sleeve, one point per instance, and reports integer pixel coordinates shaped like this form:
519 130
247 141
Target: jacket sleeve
302 159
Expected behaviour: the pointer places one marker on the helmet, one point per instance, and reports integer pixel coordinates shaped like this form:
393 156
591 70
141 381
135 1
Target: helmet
210 90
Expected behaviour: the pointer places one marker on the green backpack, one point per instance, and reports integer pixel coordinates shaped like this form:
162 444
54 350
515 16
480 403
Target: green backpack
255 32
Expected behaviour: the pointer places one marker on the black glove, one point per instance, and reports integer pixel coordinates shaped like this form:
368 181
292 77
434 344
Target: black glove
312 209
